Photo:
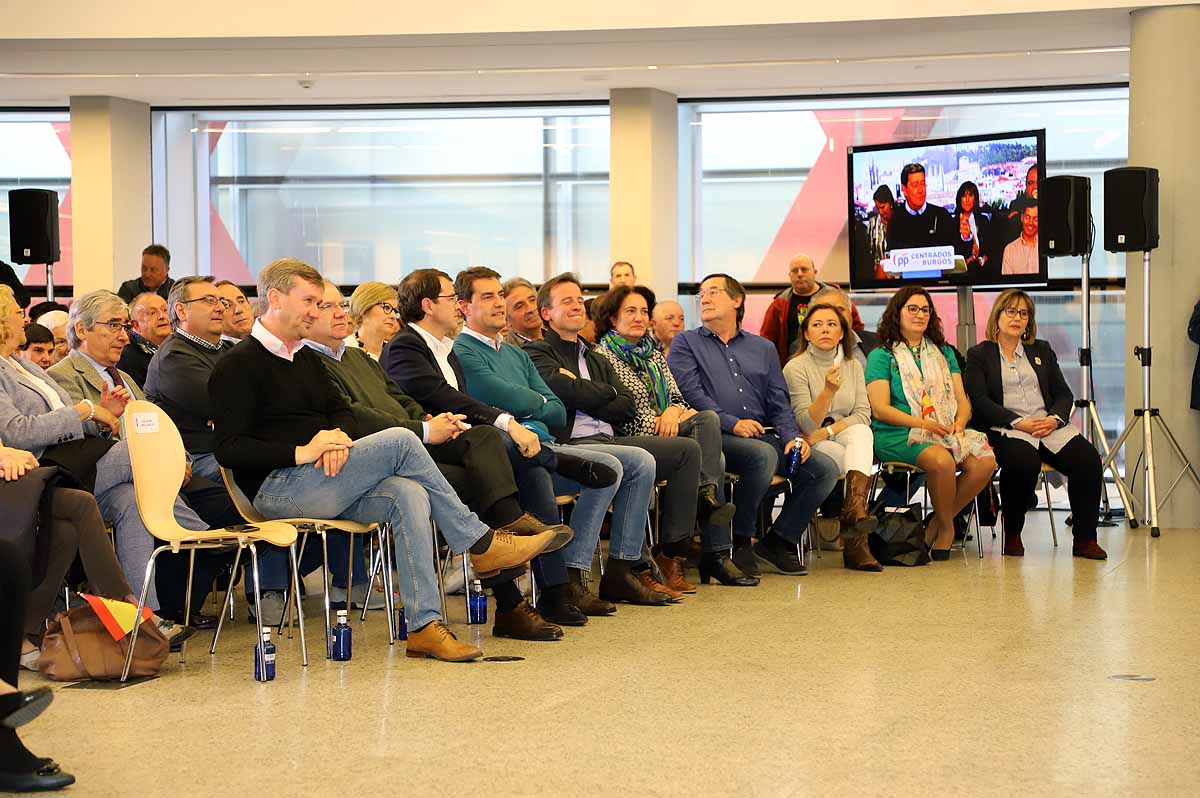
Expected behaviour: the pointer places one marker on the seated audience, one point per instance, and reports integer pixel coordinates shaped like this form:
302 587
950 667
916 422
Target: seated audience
621 273
38 416
373 311
666 321
524 322
56 322
297 453
150 326
20 769
921 411
1021 400
598 402
473 460
829 399
422 362
239 315
721 367
640 371
505 377
156 262
39 346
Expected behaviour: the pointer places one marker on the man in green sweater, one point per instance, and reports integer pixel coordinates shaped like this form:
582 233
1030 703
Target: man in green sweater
472 458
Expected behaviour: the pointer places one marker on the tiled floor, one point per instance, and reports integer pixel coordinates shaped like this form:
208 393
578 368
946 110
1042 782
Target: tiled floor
970 677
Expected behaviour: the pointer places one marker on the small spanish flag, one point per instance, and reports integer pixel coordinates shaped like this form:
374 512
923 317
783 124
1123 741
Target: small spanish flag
117 616
927 410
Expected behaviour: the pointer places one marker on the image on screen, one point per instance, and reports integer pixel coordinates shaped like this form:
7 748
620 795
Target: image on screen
959 211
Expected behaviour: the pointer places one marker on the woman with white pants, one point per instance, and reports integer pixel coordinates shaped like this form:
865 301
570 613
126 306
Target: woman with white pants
828 392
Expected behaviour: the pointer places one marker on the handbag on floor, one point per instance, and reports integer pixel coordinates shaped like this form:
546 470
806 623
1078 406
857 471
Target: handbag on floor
900 538
78 646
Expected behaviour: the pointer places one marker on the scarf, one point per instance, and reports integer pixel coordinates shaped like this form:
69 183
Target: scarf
640 358
930 395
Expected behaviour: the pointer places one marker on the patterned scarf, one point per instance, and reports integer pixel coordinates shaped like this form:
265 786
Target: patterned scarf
930 395
640 357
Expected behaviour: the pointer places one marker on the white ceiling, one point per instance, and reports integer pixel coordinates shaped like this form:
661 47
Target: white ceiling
910 55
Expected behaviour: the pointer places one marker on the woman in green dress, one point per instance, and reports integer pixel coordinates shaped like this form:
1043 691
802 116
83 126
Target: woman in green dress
920 410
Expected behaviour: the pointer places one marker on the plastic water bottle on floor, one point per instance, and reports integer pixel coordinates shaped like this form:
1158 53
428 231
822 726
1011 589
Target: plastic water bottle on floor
476 604
342 642
264 670
401 624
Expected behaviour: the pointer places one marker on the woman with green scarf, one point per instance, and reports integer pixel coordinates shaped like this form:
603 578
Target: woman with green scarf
622 319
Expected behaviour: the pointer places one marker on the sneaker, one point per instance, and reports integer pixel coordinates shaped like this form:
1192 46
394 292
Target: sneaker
272 607
337 598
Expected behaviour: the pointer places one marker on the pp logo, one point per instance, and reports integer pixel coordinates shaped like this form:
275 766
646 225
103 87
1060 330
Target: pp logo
901 261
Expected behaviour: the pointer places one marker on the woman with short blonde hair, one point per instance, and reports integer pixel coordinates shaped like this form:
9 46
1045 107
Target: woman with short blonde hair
373 310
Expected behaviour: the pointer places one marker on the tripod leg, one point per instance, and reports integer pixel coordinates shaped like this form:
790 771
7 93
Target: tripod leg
1110 462
1187 466
1151 495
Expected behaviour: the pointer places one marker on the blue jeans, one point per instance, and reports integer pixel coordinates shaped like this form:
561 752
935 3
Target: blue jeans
118 506
755 461
387 477
206 465
636 468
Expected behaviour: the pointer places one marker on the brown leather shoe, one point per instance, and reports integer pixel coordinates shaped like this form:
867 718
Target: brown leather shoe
1089 549
672 572
1013 547
523 622
436 641
647 578
619 584
579 595
528 525
856 554
855 512
508 550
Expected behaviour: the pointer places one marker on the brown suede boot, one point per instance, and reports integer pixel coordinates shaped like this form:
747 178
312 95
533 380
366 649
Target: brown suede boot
672 573
854 509
856 554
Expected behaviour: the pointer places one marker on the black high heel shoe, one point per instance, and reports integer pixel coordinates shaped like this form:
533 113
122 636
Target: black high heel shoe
717 565
23 706
48 776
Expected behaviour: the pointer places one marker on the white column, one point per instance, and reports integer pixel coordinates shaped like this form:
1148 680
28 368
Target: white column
643 186
110 190
1164 114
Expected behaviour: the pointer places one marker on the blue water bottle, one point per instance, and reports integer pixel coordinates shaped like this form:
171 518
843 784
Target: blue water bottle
793 459
342 643
476 604
401 624
267 673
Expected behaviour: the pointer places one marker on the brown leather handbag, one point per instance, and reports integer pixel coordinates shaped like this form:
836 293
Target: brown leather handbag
77 646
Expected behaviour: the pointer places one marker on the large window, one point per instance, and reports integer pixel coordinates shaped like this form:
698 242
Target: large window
375 195
35 152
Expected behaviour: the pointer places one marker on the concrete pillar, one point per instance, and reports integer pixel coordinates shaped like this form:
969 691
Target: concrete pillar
1164 114
110 190
643 186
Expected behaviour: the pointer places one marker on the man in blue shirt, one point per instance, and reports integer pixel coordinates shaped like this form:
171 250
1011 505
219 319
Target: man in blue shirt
720 367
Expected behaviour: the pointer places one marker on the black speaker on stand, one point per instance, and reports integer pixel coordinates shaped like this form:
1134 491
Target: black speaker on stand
33 230
1065 225
1130 225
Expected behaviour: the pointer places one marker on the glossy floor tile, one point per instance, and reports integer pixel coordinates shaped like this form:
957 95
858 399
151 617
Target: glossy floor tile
970 677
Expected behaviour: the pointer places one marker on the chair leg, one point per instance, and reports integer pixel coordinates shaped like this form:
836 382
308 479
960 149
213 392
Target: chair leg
389 600
978 528
1049 509
466 565
187 601
328 585
372 571
287 619
299 606
350 577
441 569
237 559
258 628
137 618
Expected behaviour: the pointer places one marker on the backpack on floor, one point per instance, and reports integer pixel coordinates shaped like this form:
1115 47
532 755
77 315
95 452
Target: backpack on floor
900 538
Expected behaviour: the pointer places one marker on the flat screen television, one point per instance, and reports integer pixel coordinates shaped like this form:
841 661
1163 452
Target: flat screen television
954 211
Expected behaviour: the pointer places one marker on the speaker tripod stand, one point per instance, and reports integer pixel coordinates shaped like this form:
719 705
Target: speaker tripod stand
1146 419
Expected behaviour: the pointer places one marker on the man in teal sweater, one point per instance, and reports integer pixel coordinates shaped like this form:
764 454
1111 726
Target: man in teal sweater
502 375
473 460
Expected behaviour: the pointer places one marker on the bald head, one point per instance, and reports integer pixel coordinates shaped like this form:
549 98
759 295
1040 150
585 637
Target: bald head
667 321
802 272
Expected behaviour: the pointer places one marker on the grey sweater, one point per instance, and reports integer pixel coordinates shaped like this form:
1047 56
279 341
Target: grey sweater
805 376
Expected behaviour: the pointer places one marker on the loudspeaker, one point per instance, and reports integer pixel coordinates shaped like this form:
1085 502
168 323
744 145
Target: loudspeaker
1065 215
33 225
1131 209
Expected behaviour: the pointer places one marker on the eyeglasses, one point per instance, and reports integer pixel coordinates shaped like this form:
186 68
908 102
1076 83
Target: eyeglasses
712 292
211 301
115 326
919 310
388 308
1016 313
453 297
324 306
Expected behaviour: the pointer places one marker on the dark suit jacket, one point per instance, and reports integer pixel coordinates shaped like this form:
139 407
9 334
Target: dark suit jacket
410 363
985 387
867 341
1194 334
131 288
602 396
135 358
935 227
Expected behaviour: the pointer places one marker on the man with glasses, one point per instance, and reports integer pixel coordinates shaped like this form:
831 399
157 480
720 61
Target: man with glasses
718 366
239 316
150 327
472 458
